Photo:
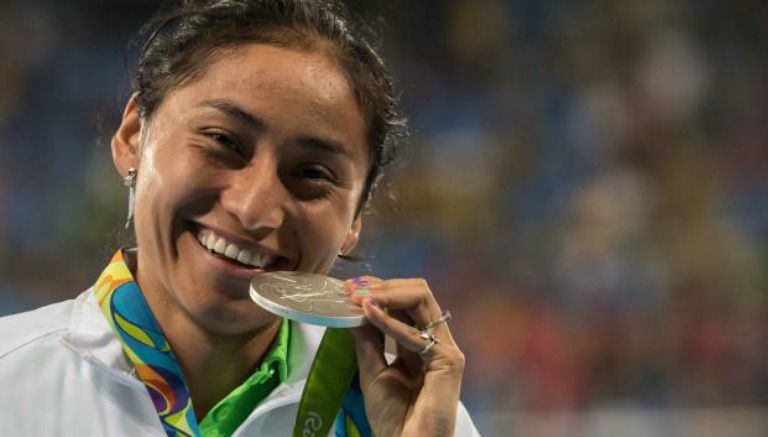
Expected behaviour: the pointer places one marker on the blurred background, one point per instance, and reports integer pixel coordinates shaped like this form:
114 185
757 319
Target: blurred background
586 189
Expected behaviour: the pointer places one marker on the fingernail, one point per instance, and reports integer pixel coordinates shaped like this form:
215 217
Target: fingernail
354 284
360 282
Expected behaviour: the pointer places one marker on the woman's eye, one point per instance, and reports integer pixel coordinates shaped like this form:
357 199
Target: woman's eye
315 172
226 140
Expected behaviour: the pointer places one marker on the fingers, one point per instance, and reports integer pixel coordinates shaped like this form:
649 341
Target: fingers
369 346
411 295
405 335
399 308
428 361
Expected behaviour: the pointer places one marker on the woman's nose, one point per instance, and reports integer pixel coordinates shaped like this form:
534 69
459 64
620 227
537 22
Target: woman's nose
257 197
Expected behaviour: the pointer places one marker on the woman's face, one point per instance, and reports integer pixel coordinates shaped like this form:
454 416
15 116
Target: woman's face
257 165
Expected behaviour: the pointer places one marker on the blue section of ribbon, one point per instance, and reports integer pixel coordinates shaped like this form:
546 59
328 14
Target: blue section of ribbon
129 303
353 406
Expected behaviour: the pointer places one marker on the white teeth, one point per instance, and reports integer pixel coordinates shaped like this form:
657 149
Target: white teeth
256 259
220 246
266 260
217 244
244 256
210 241
232 251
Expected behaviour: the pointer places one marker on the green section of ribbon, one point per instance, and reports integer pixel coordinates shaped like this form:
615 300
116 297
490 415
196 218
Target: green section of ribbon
329 378
231 412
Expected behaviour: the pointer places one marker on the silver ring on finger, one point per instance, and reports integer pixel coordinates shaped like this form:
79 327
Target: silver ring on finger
432 341
442 319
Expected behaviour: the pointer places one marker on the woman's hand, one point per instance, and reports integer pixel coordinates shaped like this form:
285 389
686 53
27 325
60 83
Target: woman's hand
418 393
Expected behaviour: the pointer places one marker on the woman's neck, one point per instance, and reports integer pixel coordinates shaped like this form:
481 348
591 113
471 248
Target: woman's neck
213 363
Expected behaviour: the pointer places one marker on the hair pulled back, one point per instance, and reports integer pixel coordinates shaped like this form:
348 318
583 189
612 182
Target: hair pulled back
185 36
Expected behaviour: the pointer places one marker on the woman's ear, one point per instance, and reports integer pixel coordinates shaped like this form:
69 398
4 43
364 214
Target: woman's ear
353 236
125 142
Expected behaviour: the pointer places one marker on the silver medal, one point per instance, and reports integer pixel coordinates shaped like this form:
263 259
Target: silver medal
307 298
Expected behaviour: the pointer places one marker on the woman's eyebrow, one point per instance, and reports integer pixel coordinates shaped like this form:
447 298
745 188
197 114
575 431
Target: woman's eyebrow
233 110
325 146
320 145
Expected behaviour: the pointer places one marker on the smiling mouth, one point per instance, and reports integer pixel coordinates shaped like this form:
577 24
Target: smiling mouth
245 258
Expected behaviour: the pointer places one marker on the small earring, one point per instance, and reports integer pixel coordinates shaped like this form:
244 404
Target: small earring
129 181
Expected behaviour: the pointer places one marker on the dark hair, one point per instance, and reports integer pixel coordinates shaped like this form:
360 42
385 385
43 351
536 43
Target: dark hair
184 36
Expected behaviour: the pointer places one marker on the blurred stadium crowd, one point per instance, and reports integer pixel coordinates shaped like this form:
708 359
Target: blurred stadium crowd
586 186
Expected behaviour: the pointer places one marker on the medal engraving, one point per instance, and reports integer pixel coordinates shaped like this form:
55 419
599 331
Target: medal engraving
307 298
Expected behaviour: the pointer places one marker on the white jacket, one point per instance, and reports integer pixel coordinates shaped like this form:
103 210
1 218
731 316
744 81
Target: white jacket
64 373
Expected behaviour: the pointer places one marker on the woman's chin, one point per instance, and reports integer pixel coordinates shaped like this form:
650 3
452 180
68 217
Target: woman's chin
234 318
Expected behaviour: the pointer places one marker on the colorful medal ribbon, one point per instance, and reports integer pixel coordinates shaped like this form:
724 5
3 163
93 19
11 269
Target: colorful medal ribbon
129 315
329 379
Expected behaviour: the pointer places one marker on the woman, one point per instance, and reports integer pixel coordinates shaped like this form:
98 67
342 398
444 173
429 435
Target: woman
254 136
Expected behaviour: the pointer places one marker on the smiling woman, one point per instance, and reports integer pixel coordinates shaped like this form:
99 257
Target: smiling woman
233 154
255 134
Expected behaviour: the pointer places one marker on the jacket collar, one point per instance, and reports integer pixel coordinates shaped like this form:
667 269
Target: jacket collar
90 335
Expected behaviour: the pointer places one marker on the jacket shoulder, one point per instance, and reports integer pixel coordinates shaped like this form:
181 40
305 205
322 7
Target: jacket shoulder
18 330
